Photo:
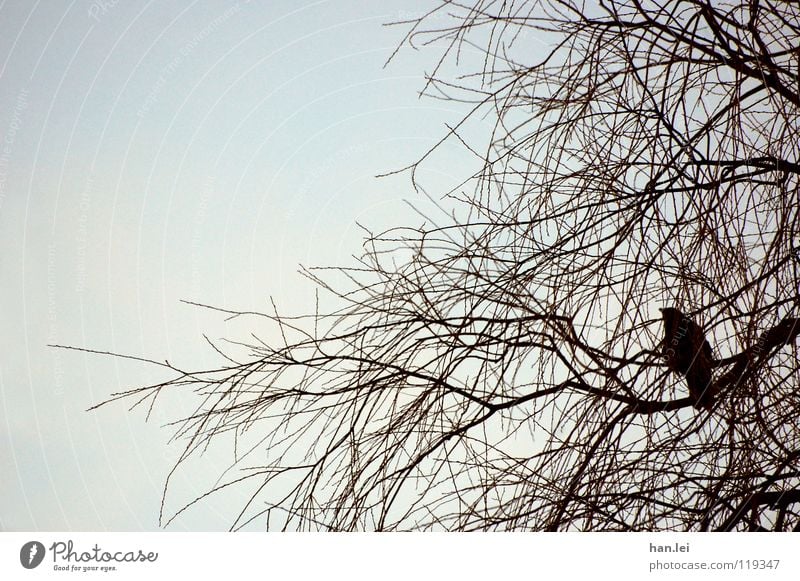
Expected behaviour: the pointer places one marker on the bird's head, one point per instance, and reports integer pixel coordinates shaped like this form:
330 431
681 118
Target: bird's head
670 313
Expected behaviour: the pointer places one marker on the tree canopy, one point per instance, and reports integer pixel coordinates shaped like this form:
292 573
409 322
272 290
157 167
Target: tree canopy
510 374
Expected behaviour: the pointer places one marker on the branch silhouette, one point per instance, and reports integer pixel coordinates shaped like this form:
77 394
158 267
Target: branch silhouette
510 372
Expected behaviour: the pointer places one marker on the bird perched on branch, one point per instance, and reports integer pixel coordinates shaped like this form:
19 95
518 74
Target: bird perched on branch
688 352
781 334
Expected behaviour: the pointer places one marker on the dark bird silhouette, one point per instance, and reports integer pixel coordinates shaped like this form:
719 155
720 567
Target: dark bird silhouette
781 334
688 352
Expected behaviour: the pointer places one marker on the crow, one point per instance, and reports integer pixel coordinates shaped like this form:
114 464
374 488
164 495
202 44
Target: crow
688 353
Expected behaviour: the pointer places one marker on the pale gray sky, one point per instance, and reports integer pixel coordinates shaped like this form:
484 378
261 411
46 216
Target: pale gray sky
159 151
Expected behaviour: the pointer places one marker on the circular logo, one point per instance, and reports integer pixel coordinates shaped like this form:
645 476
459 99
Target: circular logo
31 554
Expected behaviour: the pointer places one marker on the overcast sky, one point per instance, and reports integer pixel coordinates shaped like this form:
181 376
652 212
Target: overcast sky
160 151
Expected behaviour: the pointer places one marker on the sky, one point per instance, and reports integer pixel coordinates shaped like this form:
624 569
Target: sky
159 152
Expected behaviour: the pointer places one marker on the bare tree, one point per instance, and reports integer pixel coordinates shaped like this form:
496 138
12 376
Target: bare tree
512 374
